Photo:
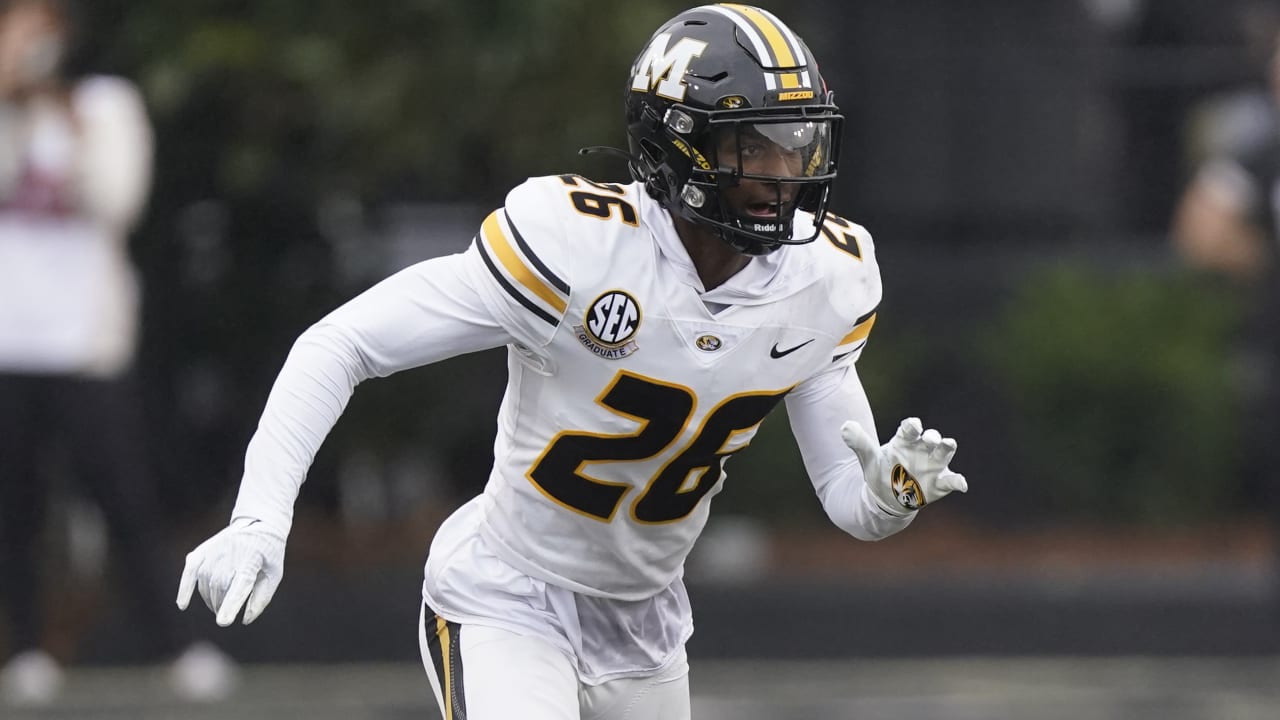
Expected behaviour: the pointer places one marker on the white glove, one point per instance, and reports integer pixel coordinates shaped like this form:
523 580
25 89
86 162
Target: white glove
244 561
908 472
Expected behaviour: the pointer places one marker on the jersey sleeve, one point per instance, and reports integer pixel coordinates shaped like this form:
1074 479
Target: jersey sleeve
522 247
855 285
425 313
851 345
817 408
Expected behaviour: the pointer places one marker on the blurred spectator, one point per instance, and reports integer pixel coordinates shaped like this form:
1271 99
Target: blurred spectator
75 166
1226 219
1228 223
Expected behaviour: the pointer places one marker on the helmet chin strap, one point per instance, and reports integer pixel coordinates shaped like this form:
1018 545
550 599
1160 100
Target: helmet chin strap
747 244
731 227
739 241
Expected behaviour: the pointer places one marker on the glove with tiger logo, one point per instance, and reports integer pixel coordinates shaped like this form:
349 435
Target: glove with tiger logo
908 472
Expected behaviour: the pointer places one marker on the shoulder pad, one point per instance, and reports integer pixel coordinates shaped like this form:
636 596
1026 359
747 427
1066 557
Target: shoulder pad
522 244
849 238
854 279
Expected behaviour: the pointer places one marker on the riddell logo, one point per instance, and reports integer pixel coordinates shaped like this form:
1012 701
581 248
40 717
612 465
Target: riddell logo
906 489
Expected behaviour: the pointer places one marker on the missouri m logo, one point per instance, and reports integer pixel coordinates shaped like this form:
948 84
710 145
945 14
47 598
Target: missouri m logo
906 488
662 70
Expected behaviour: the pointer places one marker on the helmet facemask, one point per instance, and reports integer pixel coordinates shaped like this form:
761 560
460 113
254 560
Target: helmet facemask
767 168
749 171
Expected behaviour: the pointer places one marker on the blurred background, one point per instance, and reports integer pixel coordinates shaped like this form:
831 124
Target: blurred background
1025 168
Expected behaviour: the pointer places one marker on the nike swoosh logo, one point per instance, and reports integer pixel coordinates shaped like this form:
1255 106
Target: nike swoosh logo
775 353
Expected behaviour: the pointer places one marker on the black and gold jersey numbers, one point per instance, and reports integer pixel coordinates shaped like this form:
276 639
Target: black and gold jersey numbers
663 411
839 232
603 205
683 482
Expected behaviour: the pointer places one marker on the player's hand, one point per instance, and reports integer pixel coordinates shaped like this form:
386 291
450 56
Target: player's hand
908 472
244 561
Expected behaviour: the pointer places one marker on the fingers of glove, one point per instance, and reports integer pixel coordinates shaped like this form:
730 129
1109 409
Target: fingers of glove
951 482
263 591
210 590
943 451
187 584
858 440
218 574
910 429
931 438
241 585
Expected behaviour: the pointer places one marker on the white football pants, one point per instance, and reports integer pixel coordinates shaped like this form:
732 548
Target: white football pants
483 673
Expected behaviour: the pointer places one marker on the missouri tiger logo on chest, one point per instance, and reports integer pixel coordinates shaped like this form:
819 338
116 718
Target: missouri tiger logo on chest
610 325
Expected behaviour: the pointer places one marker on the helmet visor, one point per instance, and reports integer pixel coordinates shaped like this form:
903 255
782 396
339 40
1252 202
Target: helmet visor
775 150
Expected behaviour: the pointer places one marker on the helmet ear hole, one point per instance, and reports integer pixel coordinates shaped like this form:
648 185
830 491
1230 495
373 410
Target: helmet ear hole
653 152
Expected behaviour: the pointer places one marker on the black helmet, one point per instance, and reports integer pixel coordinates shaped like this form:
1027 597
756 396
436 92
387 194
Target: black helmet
725 93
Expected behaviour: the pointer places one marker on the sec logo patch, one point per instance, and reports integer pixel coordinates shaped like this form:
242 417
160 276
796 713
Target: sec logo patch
610 325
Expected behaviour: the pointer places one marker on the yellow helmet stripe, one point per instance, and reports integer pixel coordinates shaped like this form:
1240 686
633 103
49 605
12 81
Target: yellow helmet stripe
773 32
793 40
497 240
748 29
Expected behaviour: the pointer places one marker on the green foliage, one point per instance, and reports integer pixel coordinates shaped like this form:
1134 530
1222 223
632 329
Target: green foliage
433 99
1125 408
1118 382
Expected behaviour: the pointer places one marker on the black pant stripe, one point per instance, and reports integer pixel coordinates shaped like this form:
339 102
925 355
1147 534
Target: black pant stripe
446 657
458 697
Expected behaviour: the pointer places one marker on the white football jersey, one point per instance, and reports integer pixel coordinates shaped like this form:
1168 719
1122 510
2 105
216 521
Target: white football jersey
630 386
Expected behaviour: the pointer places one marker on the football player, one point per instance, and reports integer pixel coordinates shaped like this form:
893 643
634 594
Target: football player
650 329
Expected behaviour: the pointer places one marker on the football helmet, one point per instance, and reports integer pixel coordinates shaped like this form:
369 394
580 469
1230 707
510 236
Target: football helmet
730 124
